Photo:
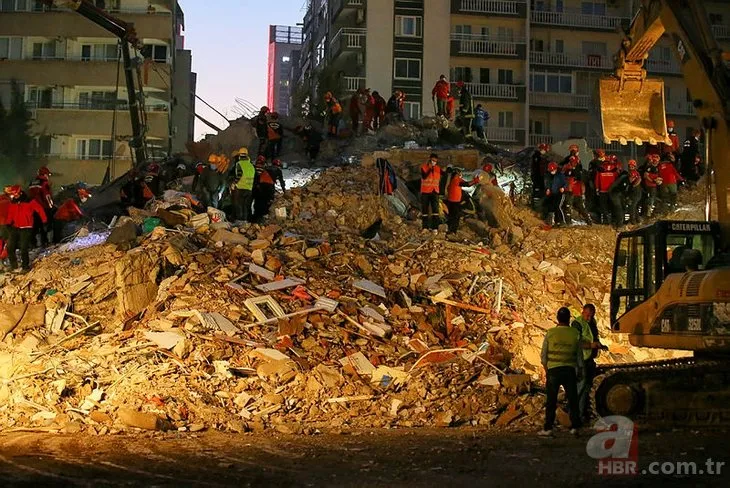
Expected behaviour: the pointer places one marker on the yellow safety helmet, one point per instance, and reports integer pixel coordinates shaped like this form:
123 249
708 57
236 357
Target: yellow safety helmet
213 158
240 152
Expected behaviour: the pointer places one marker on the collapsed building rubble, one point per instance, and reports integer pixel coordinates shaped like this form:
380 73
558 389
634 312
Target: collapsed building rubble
297 326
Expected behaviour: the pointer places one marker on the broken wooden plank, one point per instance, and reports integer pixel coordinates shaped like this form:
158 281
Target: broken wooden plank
346 399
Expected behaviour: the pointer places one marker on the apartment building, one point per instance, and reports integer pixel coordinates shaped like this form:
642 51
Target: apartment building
70 72
532 63
283 42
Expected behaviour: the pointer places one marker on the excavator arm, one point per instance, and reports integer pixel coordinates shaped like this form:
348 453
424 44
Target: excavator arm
127 35
632 106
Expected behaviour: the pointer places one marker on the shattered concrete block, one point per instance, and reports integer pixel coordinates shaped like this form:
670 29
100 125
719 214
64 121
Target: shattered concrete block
142 420
228 237
136 274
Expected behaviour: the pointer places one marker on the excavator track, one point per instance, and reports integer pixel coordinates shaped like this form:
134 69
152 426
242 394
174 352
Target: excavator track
681 392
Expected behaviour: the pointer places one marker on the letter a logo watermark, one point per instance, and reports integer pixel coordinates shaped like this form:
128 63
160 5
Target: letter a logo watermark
616 446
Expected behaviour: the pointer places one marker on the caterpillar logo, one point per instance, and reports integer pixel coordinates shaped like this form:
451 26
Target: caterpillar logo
684 227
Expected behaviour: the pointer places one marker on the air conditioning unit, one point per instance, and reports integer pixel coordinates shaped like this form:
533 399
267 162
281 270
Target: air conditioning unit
360 16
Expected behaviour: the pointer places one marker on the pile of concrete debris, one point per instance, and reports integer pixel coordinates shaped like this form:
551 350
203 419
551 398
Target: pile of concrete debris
207 325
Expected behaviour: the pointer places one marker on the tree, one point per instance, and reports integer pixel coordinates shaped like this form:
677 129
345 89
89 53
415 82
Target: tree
15 137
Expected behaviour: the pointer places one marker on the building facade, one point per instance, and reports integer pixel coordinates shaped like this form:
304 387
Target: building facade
283 41
533 64
71 75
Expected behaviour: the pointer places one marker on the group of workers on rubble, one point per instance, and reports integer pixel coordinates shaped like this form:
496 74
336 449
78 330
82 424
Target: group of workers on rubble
368 111
448 184
467 117
28 217
610 190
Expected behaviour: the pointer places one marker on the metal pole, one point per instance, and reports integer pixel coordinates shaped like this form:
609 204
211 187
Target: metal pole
137 143
708 175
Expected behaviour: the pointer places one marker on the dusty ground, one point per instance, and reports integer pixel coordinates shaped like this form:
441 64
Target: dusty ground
382 458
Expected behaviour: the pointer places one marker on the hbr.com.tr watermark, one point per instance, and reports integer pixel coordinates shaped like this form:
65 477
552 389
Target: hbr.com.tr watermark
616 447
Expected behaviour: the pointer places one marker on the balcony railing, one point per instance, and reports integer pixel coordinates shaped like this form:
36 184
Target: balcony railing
571 60
352 83
670 66
577 19
721 32
488 90
595 142
479 45
504 134
93 105
349 38
561 100
537 139
86 157
680 108
490 7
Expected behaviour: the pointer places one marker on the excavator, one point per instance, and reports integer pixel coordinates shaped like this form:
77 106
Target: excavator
659 298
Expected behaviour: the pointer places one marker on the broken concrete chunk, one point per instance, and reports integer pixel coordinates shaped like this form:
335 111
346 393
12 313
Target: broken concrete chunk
268 354
228 237
164 340
370 287
359 363
142 420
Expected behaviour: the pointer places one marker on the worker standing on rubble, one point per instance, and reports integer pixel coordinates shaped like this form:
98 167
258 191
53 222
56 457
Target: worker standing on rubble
674 147
466 109
40 191
380 105
689 169
21 215
573 152
538 168
586 325
652 183
210 182
619 194
577 190
275 136
481 117
454 195
333 110
263 191
369 111
550 199
562 358
440 95
69 211
566 201
634 192
488 173
605 176
276 173
261 124
242 179
430 180
670 178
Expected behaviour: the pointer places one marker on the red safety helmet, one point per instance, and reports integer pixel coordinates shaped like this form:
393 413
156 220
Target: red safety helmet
654 157
488 167
543 147
153 168
600 153
552 166
460 84
260 159
633 164
573 148
670 124
573 161
44 171
276 162
13 191
83 193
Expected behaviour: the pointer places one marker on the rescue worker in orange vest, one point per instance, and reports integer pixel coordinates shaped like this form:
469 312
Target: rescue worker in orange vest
454 196
263 190
275 135
69 211
430 179
333 110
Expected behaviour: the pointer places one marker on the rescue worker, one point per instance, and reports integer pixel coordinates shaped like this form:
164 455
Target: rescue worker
674 147
619 194
586 324
69 211
261 124
21 215
599 156
550 200
440 95
430 179
312 140
605 176
210 183
275 135
481 117
577 189
369 110
634 192
573 152
562 358
40 191
689 170
276 173
152 178
488 173
242 176
572 171
466 109
538 168
670 178
454 196
263 191
394 109
559 188
379 109
333 110
652 183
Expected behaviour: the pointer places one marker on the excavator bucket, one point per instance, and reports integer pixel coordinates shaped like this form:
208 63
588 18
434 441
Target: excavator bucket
634 112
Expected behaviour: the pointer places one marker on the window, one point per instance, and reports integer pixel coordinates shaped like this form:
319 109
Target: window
11 47
412 110
97 100
578 129
408 26
538 5
41 146
559 7
484 75
39 97
504 77
93 148
715 19
484 33
594 48
407 69
463 29
99 52
44 50
461 74
537 126
537 45
159 53
506 119
628 289
14 5
285 59
559 46
593 8
551 82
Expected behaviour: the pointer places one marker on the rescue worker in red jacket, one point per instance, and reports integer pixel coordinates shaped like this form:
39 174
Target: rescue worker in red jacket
675 147
369 110
605 176
670 177
454 196
634 192
69 211
575 198
538 168
379 106
430 180
652 183
4 231
573 152
263 191
599 156
551 200
21 214
275 136
440 95
40 191
489 175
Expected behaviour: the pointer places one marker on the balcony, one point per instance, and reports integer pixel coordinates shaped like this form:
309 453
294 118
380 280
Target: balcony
578 20
73 119
339 6
680 108
348 39
504 134
537 139
492 7
495 91
667 67
351 84
721 32
568 101
478 45
594 61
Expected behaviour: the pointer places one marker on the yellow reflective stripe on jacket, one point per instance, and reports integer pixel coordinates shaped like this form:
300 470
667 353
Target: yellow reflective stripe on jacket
563 343
248 173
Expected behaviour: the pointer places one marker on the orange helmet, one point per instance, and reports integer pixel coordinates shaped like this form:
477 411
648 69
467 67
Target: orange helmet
573 148
13 191
44 171
632 164
83 193
543 147
552 166
670 123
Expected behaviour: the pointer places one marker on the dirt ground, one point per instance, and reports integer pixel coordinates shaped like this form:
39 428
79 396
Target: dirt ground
454 457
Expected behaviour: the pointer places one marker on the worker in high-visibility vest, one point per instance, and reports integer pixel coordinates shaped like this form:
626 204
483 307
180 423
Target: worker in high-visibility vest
242 178
562 358
585 323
